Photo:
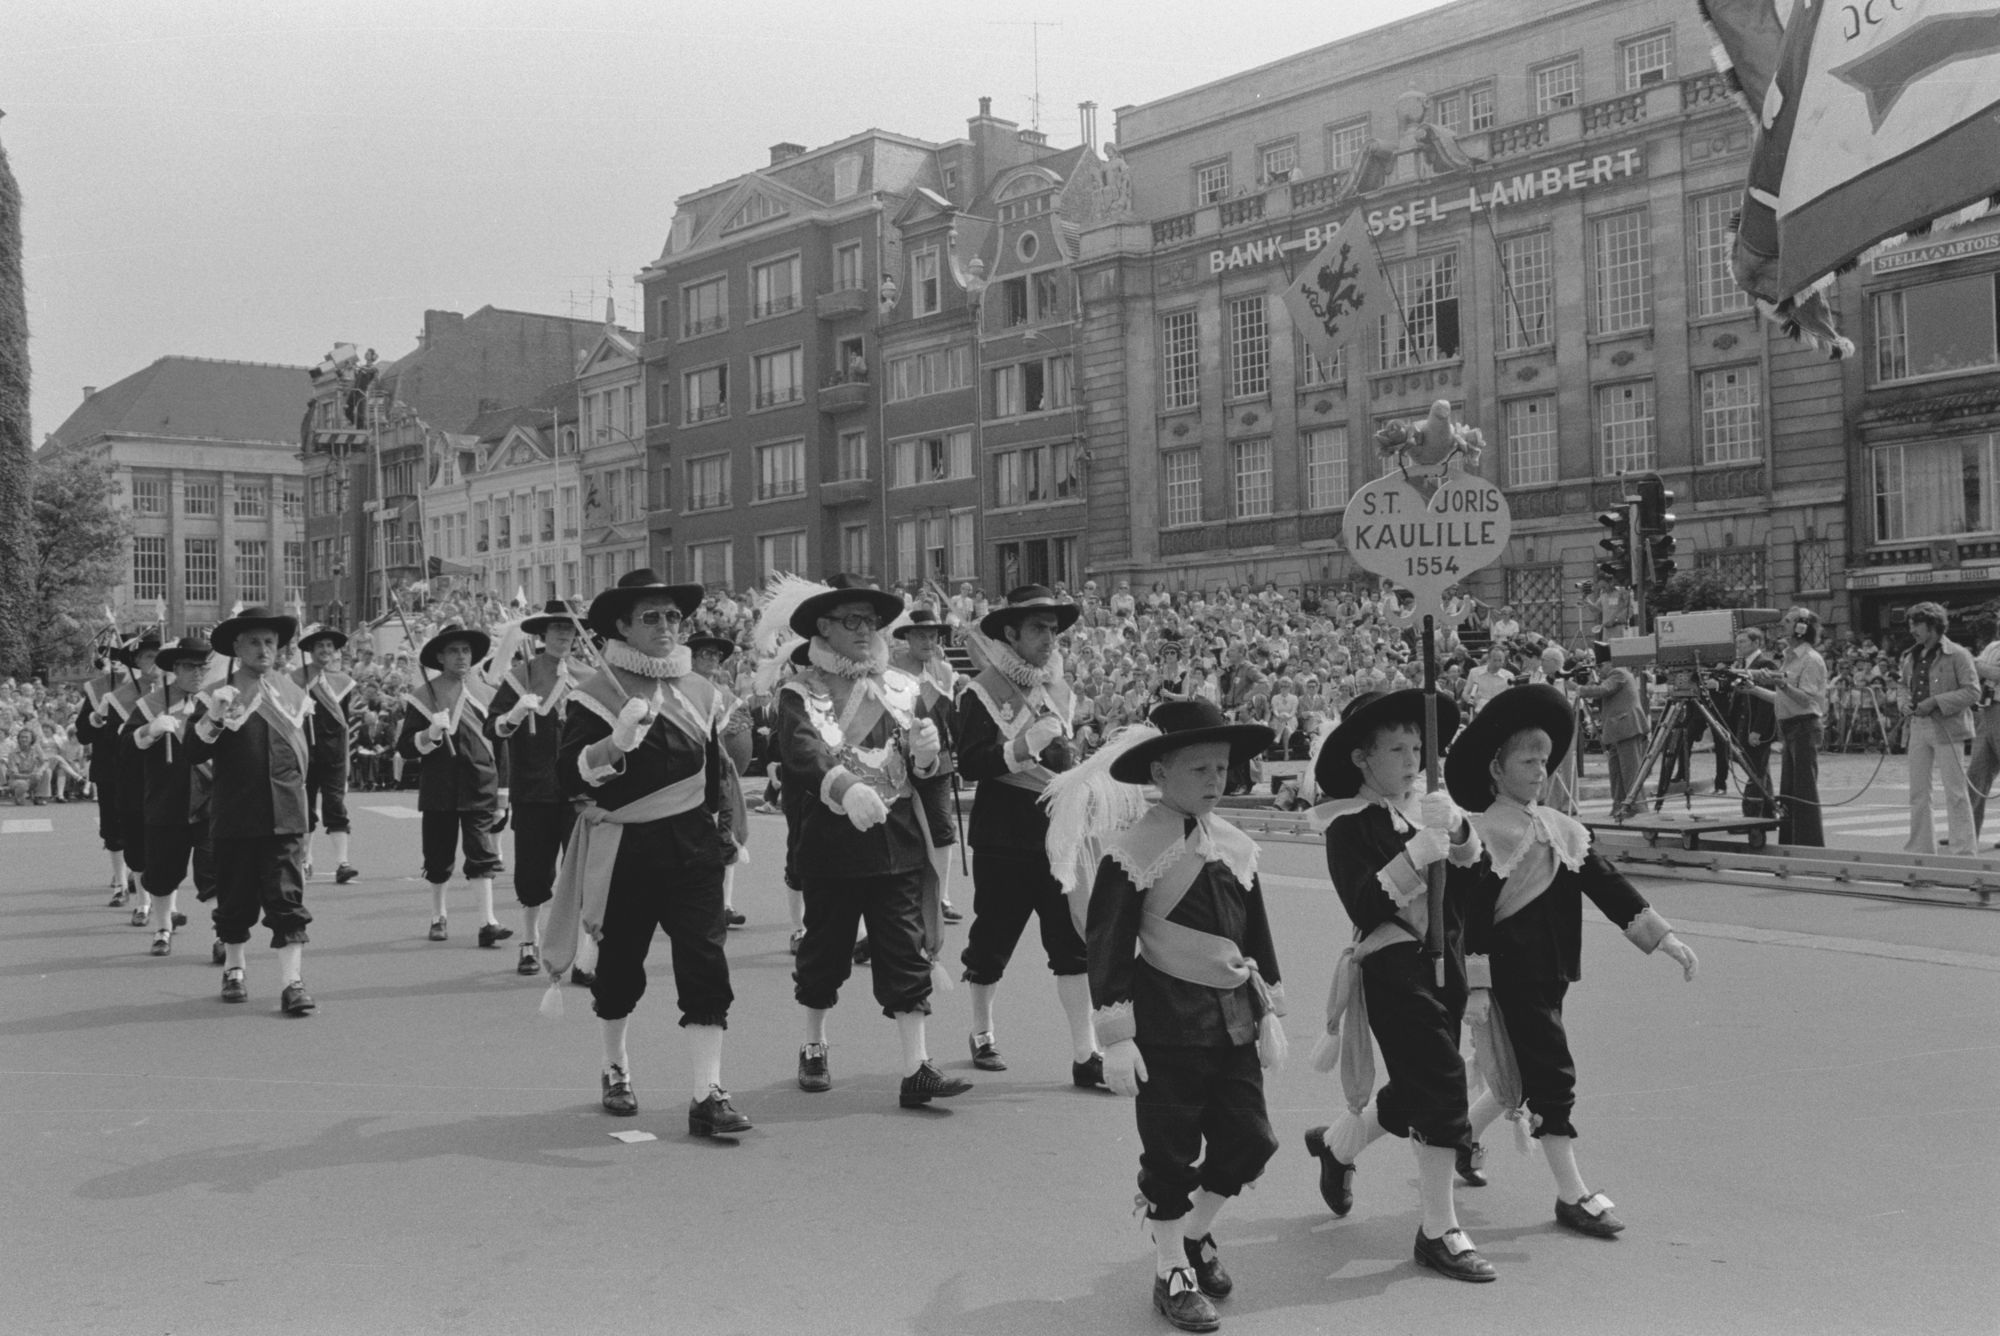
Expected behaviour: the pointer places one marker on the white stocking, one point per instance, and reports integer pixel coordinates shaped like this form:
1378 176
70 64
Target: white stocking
1560 1152
437 899
705 1058
340 849
1435 1167
484 885
1167 1250
910 1028
1074 990
614 1044
291 963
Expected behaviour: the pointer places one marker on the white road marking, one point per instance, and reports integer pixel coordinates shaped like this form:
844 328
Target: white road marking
27 826
399 813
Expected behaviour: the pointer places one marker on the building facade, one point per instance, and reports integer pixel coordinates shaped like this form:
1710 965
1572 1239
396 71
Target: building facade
1567 290
617 487
203 455
501 503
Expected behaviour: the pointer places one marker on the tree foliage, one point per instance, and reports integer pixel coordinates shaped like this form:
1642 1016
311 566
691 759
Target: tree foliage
16 448
79 539
1694 591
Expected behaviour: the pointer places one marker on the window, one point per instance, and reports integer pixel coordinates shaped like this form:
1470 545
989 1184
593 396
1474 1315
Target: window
854 548
1048 296
931 372
1732 415
755 210
198 570
1249 348
1211 182
1183 487
292 499
1937 329
1647 60
253 570
295 563
781 472
1424 328
149 496
1180 360
1464 110
1715 288
964 552
705 307
921 459
1010 304
200 498
1558 85
926 290
780 377
1344 144
569 511
847 267
1035 474
851 457
781 553
1325 450
708 483
1742 572
1252 492
1537 595
705 394
149 568
774 287
1029 387
1531 440
1527 292
906 551
1622 251
936 552
1277 162
545 504
1625 428
1933 489
1315 369
712 563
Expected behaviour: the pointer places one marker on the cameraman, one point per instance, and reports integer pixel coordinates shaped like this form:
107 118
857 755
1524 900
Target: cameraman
1796 689
1753 720
1622 720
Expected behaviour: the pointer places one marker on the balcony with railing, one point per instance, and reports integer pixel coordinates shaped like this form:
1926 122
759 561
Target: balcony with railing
778 396
694 329
1236 212
1169 230
1318 192
778 305
1614 113
707 412
844 391
836 305
780 489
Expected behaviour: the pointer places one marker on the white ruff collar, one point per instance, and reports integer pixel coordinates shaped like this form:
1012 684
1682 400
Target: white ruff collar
678 663
1018 671
827 661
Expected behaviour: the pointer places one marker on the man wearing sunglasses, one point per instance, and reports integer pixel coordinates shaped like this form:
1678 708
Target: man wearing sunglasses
853 736
642 750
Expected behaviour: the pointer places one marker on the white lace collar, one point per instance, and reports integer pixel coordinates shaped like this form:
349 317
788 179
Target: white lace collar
827 660
1402 811
1018 670
678 663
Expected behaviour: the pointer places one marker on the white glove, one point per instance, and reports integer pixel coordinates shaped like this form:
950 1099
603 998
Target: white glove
220 698
524 707
160 725
440 725
1428 846
1124 1069
634 719
1439 812
864 807
1478 1006
925 744
1041 733
1681 954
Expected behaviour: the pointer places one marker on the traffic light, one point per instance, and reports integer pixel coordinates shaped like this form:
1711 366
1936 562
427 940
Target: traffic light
1656 528
1616 564
1660 560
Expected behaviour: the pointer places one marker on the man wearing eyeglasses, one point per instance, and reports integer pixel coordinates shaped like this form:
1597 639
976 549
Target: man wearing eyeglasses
642 749
853 735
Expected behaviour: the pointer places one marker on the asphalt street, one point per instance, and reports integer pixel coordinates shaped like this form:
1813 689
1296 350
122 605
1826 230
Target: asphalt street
1800 1141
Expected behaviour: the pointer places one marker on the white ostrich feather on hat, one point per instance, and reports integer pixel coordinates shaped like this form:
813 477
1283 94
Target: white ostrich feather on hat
765 680
782 596
1086 807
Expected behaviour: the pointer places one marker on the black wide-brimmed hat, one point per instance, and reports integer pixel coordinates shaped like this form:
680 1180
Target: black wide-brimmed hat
801 654
312 635
615 604
1537 705
843 589
1183 723
259 618
722 645
556 612
431 655
922 619
1336 773
1024 600
188 648
129 652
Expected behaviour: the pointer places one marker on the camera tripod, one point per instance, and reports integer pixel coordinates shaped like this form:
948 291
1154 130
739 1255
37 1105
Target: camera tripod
1686 691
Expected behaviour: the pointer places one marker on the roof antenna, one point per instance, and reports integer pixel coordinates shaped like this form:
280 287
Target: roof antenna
1034 27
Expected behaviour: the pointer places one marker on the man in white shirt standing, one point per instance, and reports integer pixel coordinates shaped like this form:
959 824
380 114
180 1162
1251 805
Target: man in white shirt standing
1985 764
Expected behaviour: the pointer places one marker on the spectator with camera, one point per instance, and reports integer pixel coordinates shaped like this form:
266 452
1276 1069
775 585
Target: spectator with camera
1942 694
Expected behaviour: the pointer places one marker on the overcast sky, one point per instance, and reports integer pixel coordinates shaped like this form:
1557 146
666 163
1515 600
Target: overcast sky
261 180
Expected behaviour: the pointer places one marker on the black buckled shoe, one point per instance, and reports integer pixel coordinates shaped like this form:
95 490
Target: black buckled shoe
1336 1177
218 953
139 918
734 918
582 978
296 1001
118 898
985 1054
438 933
1590 1217
1207 1263
950 914
233 989
1179 1298
1465 1264
344 874
163 943
492 934
1089 1074
617 1096
178 919
797 937
1472 1165
715 1116
531 960
927 1083
862 951
815 1072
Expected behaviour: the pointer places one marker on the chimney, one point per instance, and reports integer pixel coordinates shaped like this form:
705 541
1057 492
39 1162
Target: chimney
89 390
994 148
1034 138
785 152
985 107
1086 113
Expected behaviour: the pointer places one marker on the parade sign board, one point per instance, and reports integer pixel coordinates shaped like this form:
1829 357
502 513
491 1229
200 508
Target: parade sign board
1427 543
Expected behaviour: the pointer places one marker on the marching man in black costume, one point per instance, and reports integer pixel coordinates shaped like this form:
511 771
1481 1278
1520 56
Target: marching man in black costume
527 714
177 790
326 779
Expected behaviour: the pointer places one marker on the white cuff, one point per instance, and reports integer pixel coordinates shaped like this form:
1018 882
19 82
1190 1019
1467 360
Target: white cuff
1402 879
1115 1024
144 738
595 775
1647 931
1014 764
208 728
505 727
424 744
834 787
1466 854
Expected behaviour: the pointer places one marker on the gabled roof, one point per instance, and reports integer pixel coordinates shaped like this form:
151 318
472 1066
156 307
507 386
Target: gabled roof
493 424
196 398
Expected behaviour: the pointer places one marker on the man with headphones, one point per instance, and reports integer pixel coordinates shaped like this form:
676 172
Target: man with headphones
1796 689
